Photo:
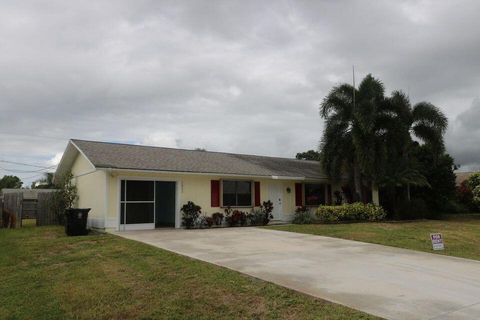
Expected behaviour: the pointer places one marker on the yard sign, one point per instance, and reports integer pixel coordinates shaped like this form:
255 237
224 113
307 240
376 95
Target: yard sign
437 241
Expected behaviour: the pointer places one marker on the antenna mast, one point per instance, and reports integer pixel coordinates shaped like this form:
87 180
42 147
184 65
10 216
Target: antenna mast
353 76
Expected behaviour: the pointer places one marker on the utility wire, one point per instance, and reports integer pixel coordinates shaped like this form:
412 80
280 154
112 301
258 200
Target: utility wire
24 171
26 164
31 177
33 136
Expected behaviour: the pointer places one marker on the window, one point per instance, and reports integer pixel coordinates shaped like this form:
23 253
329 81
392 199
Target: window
237 193
314 194
137 201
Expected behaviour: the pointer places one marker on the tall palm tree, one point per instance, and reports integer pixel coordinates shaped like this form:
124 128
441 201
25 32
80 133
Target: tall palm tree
409 125
371 139
351 139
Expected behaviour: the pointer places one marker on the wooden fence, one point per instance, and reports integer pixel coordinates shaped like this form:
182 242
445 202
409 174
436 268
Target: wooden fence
14 203
39 209
29 209
45 215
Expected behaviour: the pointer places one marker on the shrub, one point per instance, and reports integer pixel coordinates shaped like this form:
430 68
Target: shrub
454 206
190 213
474 184
236 218
351 212
465 195
476 196
217 218
267 208
209 221
200 222
64 198
228 214
256 217
302 216
474 181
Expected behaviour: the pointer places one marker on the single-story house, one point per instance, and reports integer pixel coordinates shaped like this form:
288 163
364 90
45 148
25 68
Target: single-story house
131 187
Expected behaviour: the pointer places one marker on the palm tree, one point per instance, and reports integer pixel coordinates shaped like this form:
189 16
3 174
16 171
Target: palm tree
371 139
351 139
424 122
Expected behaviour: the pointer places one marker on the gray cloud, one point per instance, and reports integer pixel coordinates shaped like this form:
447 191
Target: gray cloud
463 138
243 76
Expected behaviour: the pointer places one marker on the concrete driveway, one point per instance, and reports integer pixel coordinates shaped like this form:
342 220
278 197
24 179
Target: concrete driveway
384 281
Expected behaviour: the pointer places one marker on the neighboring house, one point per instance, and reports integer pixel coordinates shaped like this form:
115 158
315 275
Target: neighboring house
462 176
142 187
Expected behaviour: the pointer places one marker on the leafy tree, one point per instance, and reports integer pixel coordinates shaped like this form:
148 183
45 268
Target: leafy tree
65 197
438 169
474 180
465 196
308 155
45 183
12 182
474 185
476 196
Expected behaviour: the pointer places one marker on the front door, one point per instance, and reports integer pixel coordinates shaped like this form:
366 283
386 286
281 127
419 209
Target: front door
164 204
276 196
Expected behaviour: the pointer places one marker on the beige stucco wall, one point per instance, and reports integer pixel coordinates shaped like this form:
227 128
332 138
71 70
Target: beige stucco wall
195 188
91 190
95 186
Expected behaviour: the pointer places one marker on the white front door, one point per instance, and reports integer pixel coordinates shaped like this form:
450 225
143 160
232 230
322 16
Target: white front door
276 196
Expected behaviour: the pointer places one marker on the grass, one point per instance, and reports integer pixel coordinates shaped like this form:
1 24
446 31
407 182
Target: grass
461 234
46 275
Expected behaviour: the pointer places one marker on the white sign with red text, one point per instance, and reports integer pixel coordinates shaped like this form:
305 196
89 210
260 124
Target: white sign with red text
437 241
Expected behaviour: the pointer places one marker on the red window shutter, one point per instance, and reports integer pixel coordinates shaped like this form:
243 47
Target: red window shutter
215 193
298 195
257 193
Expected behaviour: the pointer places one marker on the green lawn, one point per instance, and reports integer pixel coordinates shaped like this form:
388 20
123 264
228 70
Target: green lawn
46 275
461 234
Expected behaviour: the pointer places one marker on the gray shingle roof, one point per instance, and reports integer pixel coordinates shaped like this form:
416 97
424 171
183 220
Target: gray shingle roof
137 157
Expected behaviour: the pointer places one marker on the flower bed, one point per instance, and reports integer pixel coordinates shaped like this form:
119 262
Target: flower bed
192 217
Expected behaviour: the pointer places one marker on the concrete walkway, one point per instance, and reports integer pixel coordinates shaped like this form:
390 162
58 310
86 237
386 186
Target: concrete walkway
385 281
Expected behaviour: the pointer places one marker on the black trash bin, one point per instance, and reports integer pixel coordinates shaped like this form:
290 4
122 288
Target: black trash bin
76 221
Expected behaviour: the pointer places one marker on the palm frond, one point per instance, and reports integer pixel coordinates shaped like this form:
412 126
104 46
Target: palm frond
339 100
429 115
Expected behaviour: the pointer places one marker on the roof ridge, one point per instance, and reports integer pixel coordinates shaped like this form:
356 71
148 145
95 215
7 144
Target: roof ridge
192 150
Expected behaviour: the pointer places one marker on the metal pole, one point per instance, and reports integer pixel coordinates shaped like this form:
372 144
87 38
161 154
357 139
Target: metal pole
353 76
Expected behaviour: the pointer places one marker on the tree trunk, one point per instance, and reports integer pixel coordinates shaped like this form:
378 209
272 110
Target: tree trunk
357 179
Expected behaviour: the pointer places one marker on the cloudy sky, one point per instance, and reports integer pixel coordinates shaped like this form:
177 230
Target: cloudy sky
235 76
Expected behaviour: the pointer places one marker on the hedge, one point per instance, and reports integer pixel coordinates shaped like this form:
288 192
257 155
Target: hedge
351 212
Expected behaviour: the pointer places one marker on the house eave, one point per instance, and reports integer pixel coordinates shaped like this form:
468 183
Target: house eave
117 171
